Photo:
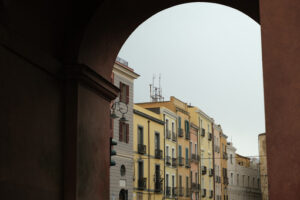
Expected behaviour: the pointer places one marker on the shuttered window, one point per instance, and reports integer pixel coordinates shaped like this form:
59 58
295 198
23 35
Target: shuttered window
123 132
124 93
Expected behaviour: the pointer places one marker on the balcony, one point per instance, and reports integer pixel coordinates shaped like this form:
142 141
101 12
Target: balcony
187 163
180 132
181 161
225 156
168 134
203 132
203 192
174 191
209 136
158 186
142 183
174 136
203 170
141 148
211 194
158 153
168 160
181 191
211 172
174 162
195 187
225 181
187 192
187 135
195 158
168 191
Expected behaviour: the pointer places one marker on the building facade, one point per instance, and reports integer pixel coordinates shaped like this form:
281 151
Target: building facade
244 181
217 132
195 159
148 147
121 174
224 174
263 166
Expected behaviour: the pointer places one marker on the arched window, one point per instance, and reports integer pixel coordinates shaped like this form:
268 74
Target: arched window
123 170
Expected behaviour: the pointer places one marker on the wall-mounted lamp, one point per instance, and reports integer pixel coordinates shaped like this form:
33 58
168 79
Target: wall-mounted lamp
122 108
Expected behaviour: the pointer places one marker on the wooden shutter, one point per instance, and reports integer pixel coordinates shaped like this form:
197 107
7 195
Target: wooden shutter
127 133
120 132
127 94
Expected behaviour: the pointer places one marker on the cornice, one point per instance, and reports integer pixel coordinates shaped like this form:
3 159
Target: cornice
88 77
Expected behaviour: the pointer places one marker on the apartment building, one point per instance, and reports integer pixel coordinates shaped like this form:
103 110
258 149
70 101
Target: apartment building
217 132
122 131
183 143
244 180
224 174
263 166
148 147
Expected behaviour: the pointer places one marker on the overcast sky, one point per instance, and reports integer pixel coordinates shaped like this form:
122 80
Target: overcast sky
208 55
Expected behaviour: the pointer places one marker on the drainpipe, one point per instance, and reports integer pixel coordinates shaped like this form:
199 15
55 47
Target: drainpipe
164 118
213 150
148 159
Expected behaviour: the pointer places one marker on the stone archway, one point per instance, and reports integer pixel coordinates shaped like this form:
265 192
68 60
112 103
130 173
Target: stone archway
56 58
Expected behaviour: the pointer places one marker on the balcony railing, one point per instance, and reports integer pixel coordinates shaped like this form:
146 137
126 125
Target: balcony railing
174 162
180 132
187 163
195 158
168 134
211 194
181 161
203 170
187 135
168 191
203 192
174 136
168 160
141 148
142 183
202 132
195 186
174 191
225 156
211 172
158 153
181 191
187 192
158 186
210 136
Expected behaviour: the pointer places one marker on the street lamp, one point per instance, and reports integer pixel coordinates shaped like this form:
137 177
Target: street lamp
122 108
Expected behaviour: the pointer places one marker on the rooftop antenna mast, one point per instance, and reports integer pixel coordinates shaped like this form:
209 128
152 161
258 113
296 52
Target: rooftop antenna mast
156 92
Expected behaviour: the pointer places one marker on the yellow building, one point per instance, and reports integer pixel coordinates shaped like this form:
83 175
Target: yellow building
182 191
148 143
224 174
205 142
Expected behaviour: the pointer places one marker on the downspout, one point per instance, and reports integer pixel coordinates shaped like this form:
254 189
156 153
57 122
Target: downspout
164 118
213 147
148 159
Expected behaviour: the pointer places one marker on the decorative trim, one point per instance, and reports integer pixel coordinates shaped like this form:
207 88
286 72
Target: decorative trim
148 117
92 79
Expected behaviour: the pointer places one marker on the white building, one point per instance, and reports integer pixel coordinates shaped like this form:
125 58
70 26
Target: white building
243 180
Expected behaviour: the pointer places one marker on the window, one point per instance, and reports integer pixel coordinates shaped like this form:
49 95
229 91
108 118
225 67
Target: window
180 181
231 177
167 125
248 181
196 150
123 170
237 179
157 141
253 181
243 180
231 158
180 151
167 150
123 132
191 148
167 180
179 122
186 155
173 153
124 93
187 182
187 127
140 135
173 131
140 170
